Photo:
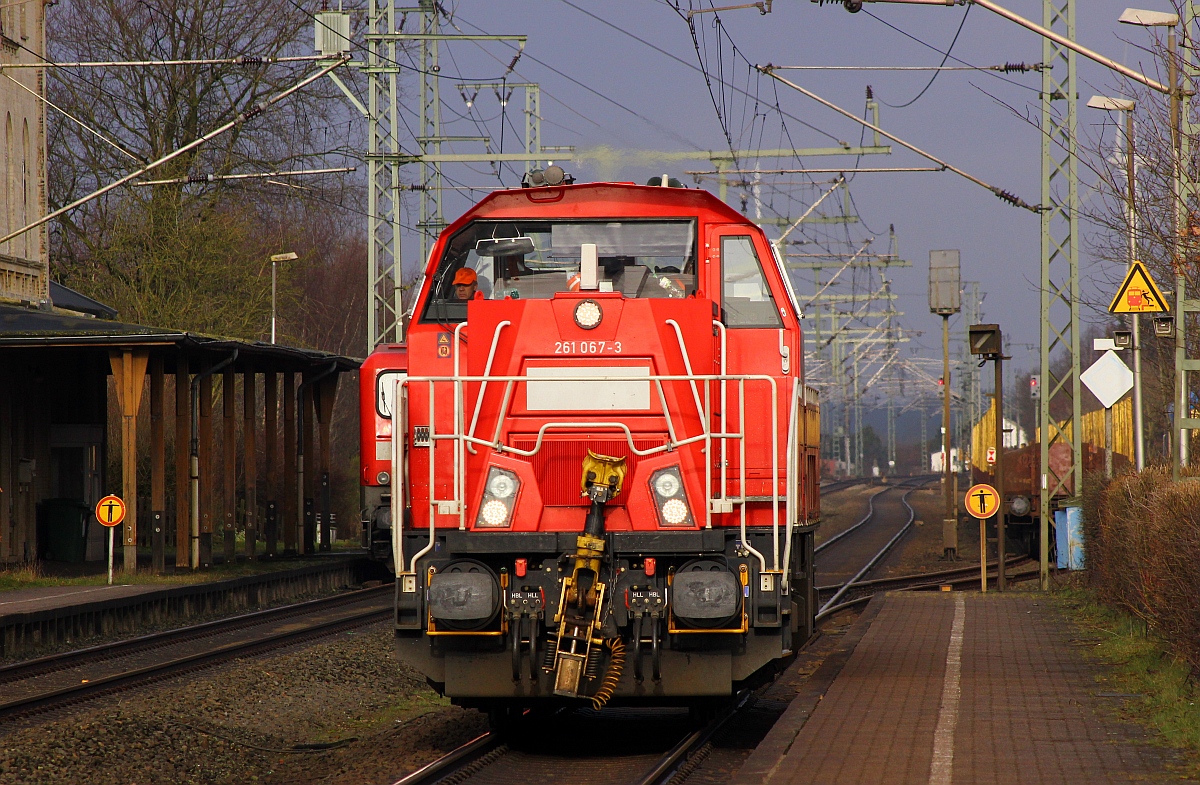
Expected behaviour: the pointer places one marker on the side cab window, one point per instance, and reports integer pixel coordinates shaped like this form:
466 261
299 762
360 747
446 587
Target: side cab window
746 298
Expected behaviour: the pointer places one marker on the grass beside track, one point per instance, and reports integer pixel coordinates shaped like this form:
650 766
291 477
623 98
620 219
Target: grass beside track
1165 695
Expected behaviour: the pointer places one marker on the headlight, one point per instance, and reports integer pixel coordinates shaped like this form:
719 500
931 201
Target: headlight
501 486
383 478
666 485
499 499
588 314
670 498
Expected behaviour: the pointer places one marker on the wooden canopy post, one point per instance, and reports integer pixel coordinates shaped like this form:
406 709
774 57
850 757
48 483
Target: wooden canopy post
158 466
205 491
129 372
304 470
326 393
271 447
250 461
289 512
229 476
183 439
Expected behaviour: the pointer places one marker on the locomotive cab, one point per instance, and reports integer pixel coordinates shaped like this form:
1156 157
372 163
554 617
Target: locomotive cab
593 463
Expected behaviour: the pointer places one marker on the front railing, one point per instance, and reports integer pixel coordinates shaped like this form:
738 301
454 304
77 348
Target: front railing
463 438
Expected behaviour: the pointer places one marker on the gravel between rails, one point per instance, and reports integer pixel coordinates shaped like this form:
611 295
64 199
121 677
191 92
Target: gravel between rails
249 721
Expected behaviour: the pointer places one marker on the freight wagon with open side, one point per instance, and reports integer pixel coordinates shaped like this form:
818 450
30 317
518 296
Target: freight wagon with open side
593 463
1022 488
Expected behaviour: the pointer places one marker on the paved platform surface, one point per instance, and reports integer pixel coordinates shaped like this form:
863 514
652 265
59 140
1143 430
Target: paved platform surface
956 687
51 597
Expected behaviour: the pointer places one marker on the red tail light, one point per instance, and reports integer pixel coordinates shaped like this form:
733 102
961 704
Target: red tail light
521 566
649 566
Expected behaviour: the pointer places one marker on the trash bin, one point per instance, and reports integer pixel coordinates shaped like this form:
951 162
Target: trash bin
63 525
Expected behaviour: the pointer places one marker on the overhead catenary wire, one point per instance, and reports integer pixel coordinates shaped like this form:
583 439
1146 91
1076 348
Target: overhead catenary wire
1006 68
74 119
209 178
241 118
1000 193
827 170
936 73
246 60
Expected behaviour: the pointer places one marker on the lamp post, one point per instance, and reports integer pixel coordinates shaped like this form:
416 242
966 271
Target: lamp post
1127 106
275 260
1141 18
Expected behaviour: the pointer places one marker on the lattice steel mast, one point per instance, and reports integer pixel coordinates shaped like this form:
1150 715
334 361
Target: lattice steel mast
1060 267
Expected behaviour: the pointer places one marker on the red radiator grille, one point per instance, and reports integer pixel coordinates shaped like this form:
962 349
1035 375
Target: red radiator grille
559 464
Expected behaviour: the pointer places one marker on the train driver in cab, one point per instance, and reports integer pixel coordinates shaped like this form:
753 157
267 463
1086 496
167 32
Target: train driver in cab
465 284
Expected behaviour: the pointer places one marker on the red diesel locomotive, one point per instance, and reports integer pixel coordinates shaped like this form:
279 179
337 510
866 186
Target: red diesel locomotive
593 462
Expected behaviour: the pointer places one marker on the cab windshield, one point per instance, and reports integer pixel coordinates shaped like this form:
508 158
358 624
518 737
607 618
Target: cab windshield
537 259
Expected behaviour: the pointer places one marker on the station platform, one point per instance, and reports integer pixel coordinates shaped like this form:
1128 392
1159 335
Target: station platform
946 687
34 618
56 597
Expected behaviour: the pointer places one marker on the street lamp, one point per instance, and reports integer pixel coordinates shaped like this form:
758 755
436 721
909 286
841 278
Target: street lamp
1127 106
1141 18
275 260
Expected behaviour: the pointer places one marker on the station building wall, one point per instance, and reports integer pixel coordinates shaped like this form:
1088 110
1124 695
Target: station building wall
24 261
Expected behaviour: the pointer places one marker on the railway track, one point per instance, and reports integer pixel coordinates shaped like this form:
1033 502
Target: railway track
616 746
61 680
841 485
548 751
855 591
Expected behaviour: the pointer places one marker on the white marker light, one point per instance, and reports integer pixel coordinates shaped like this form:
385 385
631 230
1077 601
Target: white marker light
675 511
494 513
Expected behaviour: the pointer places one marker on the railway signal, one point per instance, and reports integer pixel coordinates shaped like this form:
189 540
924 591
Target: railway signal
987 341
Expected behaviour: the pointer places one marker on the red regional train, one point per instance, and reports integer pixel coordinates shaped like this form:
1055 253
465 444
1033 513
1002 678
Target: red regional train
593 464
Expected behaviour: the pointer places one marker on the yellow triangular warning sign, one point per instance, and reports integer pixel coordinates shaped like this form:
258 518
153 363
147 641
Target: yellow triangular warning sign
1139 293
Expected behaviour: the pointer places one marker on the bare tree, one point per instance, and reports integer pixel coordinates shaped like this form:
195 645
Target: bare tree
192 255
1154 225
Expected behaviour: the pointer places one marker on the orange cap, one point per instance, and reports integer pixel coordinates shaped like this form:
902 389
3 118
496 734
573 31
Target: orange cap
465 277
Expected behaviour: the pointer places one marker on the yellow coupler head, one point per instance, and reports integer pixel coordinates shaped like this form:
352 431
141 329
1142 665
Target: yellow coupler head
604 470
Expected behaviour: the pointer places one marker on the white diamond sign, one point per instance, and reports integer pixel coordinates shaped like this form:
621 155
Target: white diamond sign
1108 379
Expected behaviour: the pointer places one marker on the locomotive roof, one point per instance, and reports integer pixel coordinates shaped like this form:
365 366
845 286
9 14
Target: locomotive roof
601 200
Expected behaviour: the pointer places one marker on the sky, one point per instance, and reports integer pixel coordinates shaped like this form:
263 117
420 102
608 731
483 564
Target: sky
602 88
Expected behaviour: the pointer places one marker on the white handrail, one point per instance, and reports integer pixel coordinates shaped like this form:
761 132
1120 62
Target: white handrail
399 472
793 473
464 439
460 460
487 370
687 366
720 327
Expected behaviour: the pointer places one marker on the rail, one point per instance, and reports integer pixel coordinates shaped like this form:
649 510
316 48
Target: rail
829 605
342 612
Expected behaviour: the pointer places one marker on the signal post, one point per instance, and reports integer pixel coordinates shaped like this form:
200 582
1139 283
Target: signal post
945 298
987 341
